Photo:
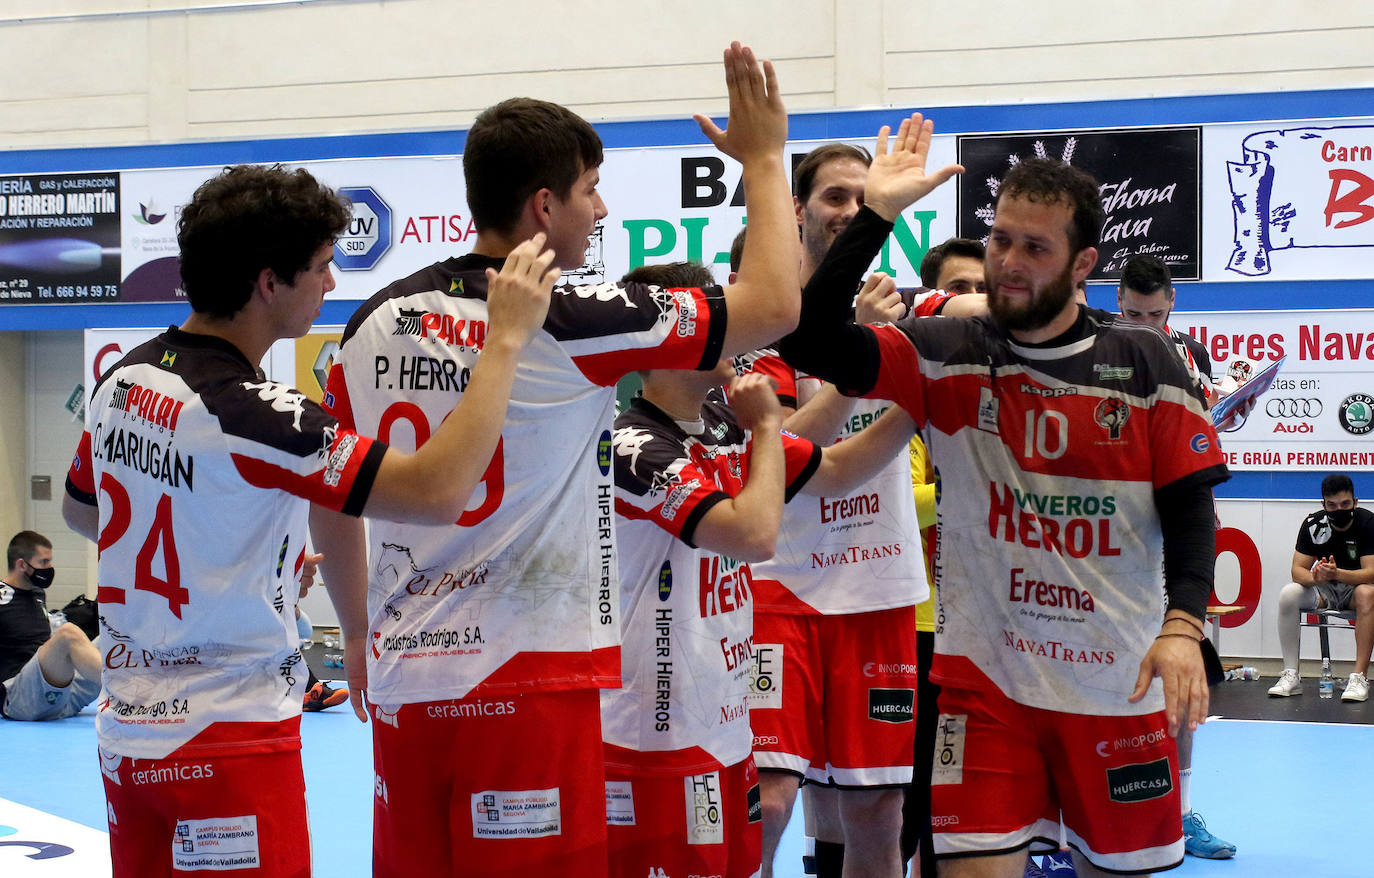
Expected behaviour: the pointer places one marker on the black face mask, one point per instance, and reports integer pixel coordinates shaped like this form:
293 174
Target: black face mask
1341 518
41 576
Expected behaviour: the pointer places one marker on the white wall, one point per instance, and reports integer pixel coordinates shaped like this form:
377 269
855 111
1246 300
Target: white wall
113 72
54 371
107 72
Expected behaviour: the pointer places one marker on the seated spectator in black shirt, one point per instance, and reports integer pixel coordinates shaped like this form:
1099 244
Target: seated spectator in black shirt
44 674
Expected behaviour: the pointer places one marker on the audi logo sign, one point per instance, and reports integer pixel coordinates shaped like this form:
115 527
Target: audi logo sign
1292 407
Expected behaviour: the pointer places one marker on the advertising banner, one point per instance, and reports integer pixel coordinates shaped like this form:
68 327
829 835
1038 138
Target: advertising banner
1150 183
1319 412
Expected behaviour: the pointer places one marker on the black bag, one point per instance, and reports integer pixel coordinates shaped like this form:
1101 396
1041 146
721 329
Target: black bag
84 613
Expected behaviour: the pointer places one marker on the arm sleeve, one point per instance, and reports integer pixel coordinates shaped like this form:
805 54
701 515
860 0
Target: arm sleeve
827 343
1190 541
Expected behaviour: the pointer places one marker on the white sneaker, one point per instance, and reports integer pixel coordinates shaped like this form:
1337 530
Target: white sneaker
1288 684
1356 689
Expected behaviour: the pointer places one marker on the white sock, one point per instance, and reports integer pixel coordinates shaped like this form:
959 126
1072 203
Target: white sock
1185 777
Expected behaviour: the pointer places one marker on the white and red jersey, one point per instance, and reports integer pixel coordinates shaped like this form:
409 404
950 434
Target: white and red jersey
1048 458
201 470
836 555
688 612
523 591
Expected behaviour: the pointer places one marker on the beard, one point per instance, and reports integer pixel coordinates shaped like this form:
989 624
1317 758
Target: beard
1044 305
816 238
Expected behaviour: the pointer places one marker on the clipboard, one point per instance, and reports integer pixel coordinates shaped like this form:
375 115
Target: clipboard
1250 389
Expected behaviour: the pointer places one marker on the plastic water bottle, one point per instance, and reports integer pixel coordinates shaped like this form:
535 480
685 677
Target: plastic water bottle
1243 674
1327 687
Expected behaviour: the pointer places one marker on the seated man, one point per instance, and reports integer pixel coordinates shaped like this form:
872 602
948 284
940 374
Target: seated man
1333 568
44 674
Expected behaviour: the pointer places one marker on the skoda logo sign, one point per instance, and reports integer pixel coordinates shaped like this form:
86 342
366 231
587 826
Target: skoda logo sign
1357 413
1292 407
368 235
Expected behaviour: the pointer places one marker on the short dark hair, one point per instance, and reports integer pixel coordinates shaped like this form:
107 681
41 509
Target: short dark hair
1333 485
804 174
935 257
672 274
1146 274
245 219
518 147
25 544
737 249
1046 181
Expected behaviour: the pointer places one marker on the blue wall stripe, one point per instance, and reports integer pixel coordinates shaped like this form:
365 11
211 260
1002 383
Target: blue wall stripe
830 124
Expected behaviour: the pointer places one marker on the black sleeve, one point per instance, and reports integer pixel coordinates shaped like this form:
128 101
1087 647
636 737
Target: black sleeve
827 343
1188 520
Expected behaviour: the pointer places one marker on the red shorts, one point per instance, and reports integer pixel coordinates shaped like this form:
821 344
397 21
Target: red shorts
834 696
704 824
208 811
1004 772
513 784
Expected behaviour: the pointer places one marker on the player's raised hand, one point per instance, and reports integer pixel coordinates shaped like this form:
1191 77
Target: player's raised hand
754 397
518 296
757 127
878 301
897 177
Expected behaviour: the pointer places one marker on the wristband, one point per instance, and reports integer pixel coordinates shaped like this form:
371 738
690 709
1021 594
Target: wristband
1186 636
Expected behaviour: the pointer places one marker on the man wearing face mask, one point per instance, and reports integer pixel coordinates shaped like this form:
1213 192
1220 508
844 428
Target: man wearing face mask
44 674
1333 568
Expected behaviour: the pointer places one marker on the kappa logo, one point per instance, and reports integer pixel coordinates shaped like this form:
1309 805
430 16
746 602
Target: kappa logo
604 293
1320 531
6 594
658 873
629 442
282 397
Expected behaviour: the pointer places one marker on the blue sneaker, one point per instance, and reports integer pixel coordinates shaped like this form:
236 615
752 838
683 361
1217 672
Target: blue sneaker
1201 843
1058 864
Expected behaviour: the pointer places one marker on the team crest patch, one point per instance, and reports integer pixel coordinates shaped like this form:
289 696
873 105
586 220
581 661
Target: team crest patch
1200 443
169 358
456 286
1111 415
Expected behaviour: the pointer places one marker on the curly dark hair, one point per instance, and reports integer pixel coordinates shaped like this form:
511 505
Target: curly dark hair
518 147
672 275
1046 181
251 217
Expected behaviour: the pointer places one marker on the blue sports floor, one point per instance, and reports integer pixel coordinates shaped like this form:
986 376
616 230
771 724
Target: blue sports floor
1295 798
